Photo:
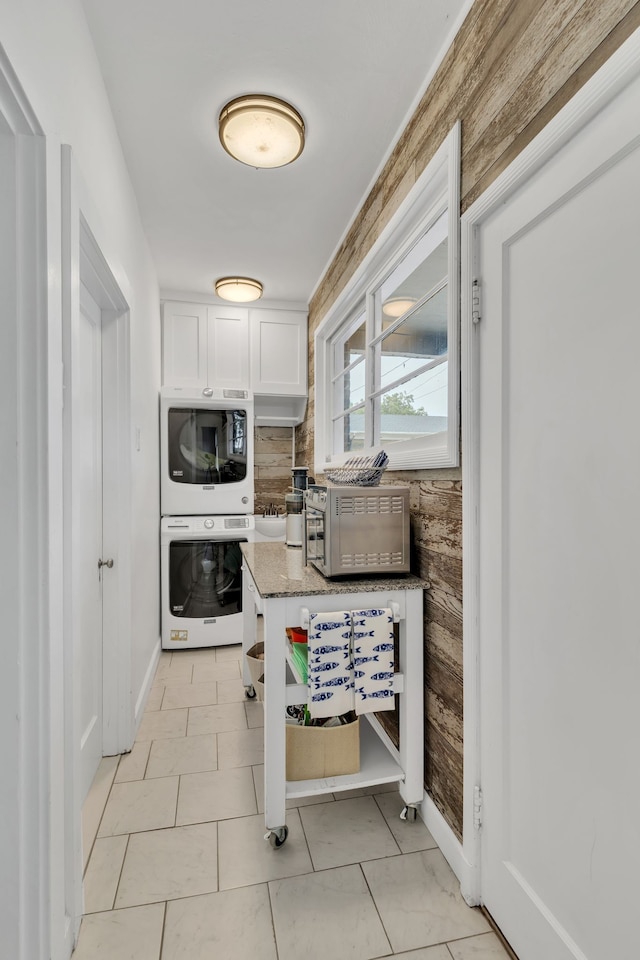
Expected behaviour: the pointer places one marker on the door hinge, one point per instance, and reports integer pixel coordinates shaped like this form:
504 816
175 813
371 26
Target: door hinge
477 808
475 302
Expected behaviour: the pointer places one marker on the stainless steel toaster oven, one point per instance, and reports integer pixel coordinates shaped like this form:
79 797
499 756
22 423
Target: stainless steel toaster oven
350 530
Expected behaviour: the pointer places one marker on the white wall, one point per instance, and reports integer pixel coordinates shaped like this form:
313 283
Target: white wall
50 49
48 45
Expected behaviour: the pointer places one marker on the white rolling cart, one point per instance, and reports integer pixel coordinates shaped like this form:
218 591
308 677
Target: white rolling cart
276 585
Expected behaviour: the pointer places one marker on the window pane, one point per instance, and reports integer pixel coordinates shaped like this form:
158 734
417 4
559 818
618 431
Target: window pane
350 348
349 432
419 338
419 272
417 408
350 388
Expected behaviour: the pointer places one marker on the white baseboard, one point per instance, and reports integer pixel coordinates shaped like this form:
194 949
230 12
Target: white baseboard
450 847
146 685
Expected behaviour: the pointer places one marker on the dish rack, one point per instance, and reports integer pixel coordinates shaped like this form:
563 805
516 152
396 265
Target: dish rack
360 471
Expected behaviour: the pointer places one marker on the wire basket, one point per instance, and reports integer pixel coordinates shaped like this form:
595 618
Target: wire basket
360 471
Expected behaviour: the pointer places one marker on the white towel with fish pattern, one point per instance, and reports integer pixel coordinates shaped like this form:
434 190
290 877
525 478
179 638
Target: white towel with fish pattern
330 670
373 659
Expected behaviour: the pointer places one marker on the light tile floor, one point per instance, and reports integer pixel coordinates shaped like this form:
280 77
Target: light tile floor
180 869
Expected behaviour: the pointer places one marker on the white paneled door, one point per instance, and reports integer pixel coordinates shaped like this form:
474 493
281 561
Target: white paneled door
559 535
88 510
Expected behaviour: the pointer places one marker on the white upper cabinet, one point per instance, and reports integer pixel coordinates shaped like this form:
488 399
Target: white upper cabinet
184 345
228 347
261 349
279 352
205 346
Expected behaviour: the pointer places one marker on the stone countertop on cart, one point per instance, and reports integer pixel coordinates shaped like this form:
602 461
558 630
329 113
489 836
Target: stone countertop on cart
277 571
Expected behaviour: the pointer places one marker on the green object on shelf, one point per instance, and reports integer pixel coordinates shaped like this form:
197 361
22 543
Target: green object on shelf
299 656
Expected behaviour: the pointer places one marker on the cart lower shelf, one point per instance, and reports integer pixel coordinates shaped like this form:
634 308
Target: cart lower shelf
377 765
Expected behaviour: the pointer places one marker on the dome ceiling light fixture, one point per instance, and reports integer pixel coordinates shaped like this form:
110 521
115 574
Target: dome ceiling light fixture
261 131
396 306
238 289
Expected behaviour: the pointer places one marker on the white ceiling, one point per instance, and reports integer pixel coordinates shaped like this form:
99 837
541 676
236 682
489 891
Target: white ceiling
353 68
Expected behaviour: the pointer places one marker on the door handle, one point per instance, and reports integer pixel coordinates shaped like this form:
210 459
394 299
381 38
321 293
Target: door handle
105 563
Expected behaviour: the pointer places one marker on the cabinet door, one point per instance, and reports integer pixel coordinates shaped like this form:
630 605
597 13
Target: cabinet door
228 347
184 345
279 352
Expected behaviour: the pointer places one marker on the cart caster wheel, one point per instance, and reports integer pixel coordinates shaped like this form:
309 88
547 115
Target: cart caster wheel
249 692
409 813
277 837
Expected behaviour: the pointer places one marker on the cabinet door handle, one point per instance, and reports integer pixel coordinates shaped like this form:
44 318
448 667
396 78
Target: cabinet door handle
105 563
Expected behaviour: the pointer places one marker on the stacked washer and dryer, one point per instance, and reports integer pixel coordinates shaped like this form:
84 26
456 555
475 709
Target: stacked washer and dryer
206 500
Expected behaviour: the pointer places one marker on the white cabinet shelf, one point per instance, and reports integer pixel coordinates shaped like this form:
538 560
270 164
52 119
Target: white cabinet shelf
379 761
279 411
377 765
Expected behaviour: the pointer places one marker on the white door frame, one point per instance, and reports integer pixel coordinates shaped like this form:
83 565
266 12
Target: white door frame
613 76
83 258
30 626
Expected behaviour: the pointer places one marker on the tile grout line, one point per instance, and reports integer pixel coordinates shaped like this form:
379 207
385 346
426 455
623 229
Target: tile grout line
115 895
175 815
388 825
164 927
146 766
306 839
93 842
273 922
217 856
375 905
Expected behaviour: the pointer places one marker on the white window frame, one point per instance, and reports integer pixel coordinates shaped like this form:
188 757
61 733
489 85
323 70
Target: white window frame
436 191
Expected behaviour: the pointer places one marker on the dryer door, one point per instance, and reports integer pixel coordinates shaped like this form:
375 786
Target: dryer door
207 446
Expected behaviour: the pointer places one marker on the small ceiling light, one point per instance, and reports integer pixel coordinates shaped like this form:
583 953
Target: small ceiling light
261 131
396 306
239 289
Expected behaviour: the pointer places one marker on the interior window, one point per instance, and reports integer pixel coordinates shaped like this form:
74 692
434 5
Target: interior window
387 354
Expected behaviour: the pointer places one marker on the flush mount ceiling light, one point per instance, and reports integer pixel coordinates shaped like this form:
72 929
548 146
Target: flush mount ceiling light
239 289
261 131
396 306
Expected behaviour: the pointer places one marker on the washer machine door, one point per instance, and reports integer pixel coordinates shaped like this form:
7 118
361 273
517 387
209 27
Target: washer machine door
205 581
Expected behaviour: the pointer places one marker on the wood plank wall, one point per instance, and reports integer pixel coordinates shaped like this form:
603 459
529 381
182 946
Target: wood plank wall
273 451
512 66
